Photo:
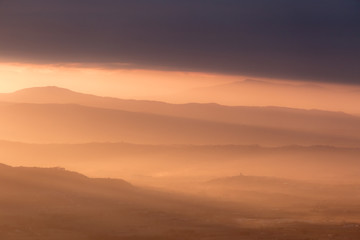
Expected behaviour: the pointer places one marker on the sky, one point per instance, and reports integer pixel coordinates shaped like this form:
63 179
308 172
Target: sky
122 83
194 42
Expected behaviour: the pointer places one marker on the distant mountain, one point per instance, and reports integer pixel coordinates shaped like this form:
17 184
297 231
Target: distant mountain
252 92
323 122
66 123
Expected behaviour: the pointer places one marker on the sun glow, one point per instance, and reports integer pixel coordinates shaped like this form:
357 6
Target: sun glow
179 87
129 83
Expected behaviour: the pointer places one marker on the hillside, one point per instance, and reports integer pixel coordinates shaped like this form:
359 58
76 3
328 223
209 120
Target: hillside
38 203
285 118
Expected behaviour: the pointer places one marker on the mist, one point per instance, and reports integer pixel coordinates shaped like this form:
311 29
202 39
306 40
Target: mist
176 170
179 120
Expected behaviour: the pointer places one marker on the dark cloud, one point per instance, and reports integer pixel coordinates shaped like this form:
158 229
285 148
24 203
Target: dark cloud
308 39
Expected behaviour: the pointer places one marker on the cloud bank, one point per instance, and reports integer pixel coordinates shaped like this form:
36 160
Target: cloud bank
307 40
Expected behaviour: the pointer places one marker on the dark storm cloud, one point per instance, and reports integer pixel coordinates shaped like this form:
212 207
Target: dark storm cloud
308 39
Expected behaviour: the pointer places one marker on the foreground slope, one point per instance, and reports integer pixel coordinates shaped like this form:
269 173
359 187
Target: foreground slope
45 204
38 203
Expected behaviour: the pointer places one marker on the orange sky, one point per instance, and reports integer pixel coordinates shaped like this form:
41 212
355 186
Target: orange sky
133 83
173 86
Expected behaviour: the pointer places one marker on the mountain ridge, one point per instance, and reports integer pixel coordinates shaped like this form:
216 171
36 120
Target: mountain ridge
59 123
27 92
317 121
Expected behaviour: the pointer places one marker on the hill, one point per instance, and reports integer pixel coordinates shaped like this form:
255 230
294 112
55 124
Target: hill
52 203
39 204
252 92
316 121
